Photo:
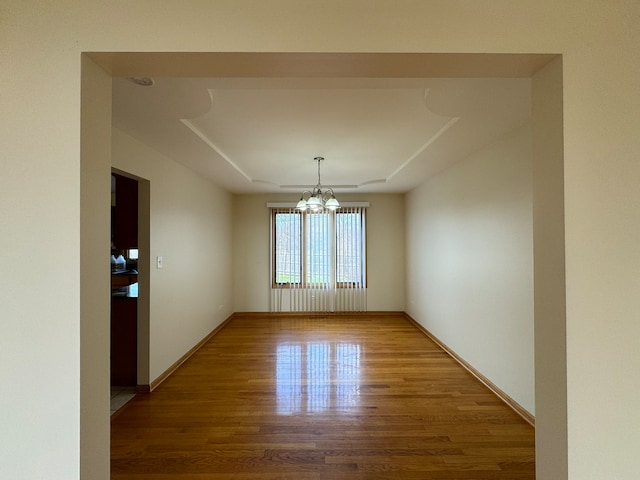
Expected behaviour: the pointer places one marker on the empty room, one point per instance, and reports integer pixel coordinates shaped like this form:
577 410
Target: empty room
347 239
422 223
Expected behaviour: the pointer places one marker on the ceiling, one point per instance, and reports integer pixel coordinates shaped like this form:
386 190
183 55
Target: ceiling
261 134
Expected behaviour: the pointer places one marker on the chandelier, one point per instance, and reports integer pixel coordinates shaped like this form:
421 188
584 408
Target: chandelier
317 199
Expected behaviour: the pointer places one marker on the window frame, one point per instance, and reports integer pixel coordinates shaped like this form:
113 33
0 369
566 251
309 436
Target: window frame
274 213
303 283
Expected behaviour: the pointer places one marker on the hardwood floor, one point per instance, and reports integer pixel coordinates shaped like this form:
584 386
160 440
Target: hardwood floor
315 397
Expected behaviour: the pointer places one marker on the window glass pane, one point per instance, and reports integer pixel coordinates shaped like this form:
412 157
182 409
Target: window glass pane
318 248
348 248
287 242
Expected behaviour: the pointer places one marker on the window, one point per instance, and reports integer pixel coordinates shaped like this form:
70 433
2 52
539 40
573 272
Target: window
287 247
318 249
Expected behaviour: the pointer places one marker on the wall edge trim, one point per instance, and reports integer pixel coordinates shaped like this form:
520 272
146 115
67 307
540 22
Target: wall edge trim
169 371
510 402
380 313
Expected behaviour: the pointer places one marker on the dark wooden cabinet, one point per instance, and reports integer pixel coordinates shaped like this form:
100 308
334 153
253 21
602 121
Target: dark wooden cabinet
125 213
119 280
124 339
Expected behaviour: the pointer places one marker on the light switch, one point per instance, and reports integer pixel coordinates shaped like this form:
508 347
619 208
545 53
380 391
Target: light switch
159 262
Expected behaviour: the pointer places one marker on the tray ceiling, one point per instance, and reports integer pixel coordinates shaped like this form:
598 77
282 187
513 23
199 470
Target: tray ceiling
253 135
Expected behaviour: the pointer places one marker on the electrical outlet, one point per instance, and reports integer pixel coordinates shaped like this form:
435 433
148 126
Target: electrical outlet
159 262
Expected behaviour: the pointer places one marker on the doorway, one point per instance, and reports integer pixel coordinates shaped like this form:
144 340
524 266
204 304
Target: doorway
559 405
124 290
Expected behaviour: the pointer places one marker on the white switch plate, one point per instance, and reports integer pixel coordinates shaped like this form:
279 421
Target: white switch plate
158 262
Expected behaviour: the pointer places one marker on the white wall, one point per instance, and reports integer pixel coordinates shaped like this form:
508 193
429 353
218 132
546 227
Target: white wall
470 269
40 186
191 229
385 250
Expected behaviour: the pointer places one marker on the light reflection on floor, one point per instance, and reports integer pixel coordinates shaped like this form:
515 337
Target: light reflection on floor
314 377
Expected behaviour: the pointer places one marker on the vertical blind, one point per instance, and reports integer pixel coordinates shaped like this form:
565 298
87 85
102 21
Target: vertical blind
318 260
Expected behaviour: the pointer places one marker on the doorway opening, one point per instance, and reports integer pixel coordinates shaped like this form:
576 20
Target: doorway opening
124 290
406 65
129 290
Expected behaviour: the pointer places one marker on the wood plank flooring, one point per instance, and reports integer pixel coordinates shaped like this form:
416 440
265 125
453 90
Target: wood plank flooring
320 397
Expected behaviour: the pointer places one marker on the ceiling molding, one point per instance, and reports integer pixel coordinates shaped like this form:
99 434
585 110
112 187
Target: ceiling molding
314 64
215 148
426 145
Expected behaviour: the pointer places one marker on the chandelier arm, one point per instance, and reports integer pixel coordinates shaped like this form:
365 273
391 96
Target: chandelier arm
327 194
